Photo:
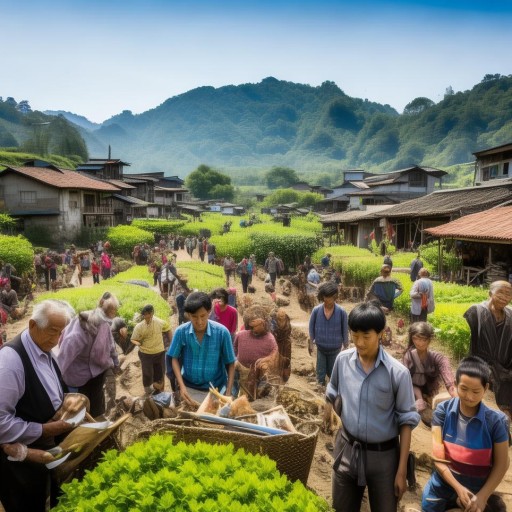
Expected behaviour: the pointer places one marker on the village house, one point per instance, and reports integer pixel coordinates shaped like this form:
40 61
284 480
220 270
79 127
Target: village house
60 201
493 164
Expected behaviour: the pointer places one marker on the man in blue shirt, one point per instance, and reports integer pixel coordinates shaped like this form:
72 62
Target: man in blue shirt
201 352
378 413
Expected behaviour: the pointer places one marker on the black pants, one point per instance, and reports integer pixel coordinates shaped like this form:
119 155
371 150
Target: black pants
95 279
152 366
245 282
93 390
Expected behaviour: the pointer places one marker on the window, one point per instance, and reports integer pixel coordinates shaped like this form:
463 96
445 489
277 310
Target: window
485 174
28 197
493 171
417 179
505 168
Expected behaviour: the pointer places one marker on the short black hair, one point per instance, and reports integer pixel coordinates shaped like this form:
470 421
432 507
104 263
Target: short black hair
196 301
220 293
327 289
474 366
148 308
365 317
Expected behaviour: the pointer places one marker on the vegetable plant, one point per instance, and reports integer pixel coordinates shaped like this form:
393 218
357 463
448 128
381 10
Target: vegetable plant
156 475
17 251
123 238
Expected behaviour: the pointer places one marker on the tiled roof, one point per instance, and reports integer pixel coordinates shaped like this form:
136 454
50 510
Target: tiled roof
493 225
371 212
62 178
135 201
121 184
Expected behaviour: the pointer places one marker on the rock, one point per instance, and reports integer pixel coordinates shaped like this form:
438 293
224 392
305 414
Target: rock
282 301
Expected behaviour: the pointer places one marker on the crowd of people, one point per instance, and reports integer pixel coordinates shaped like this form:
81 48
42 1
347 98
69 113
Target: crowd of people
379 399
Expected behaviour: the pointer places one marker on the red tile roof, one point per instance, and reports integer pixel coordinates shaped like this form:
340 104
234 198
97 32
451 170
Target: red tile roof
62 178
492 225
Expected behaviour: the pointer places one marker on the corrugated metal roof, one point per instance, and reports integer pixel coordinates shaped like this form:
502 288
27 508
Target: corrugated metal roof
491 225
446 202
62 178
371 212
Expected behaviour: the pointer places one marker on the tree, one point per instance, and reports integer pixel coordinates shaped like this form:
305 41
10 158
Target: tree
205 181
418 105
24 107
448 91
280 177
324 179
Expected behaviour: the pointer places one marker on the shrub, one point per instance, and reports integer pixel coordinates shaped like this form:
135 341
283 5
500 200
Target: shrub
157 475
123 238
237 244
160 226
17 251
201 276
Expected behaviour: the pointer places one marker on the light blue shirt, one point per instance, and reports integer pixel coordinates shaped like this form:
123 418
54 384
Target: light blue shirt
377 404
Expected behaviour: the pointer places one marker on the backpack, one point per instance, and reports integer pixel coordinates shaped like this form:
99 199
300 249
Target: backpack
166 276
424 301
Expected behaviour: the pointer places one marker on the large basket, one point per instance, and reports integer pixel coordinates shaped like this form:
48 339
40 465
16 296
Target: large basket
293 453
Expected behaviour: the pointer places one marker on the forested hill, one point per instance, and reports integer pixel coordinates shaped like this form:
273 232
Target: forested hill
312 129
278 123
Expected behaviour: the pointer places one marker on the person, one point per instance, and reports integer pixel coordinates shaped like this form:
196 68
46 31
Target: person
229 268
50 275
282 331
490 323
9 302
279 266
32 394
378 414
222 312
201 352
422 297
427 368
388 261
77 267
416 264
271 267
202 248
87 350
95 271
152 336
255 348
328 330
211 253
243 271
326 261
312 284
167 277
469 446
385 289
251 267
85 263
106 265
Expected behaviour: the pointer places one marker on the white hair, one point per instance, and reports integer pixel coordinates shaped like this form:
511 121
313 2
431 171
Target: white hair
498 285
44 309
107 301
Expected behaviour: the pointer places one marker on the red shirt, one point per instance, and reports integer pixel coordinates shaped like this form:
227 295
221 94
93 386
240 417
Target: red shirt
249 348
228 318
95 268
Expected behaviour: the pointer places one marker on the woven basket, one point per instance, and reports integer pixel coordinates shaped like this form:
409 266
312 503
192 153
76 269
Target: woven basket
293 453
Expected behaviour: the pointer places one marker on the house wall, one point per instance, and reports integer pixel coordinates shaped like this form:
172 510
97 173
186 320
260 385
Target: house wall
493 167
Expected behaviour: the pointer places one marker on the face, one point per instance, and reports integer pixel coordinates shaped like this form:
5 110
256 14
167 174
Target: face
148 317
470 391
199 320
257 326
330 301
421 343
47 337
501 297
366 342
111 312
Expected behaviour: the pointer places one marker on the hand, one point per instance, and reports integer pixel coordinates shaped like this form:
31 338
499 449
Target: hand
311 346
477 504
71 405
464 497
55 428
185 397
327 419
400 484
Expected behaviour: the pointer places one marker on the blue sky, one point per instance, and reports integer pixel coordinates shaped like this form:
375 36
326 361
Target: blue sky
97 58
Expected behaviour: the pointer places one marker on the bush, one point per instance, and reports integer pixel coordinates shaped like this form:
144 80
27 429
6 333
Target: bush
123 238
160 226
157 475
17 251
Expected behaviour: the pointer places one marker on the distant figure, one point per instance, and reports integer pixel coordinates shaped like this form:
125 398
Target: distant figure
385 289
326 261
388 261
422 297
416 264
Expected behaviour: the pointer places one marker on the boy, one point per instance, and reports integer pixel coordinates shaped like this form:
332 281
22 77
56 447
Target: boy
469 445
378 414
201 352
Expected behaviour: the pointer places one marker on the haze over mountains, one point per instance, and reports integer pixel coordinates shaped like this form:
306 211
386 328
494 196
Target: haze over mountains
310 129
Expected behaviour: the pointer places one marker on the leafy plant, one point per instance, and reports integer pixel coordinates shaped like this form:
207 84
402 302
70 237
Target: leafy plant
17 251
156 475
123 238
160 226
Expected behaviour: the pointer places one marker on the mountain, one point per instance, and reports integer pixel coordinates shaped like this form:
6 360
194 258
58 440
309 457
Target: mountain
246 129
80 121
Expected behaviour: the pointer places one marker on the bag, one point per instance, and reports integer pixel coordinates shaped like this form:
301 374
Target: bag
166 276
424 301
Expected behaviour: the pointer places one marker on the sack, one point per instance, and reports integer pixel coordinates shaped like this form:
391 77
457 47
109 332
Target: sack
424 301
166 276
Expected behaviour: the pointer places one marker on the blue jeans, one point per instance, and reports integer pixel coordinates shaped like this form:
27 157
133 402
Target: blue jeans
325 363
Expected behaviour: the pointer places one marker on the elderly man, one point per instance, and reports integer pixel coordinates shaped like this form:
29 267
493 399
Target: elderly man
32 393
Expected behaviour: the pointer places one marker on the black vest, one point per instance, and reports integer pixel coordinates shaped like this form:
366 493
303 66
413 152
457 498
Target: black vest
35 404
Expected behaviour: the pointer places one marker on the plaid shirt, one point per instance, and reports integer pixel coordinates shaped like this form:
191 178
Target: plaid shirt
205 362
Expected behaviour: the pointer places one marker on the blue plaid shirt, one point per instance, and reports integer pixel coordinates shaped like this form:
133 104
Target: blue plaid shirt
205 362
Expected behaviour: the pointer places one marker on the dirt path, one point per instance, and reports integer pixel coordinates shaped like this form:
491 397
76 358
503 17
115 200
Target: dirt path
303 378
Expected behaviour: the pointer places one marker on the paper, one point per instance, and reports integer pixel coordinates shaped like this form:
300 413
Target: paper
58 462
77 418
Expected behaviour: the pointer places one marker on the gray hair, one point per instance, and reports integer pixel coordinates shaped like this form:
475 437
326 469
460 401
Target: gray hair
107 301
498 285
44 309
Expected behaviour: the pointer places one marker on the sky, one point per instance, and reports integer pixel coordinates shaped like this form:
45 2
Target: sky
97 58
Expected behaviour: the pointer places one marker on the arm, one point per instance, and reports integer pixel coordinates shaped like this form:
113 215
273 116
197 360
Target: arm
312 323
446 373
230 368
401 474
176 368
399 289
344 328
500 466
136 337
414 293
